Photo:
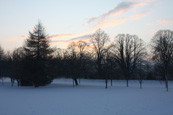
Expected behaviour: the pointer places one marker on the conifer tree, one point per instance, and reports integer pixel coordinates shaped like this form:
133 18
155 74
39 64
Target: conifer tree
37 52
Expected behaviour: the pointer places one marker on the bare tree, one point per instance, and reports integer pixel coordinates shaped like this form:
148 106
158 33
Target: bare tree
100 48
75 58
1 63
127 52
108 67
56 63
99 40
71 61
81 45
162 44
17 59
141 72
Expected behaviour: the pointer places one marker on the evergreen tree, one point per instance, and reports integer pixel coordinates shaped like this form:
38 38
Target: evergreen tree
37 52
37 45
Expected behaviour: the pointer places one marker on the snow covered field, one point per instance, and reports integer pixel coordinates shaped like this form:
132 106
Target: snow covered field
89 98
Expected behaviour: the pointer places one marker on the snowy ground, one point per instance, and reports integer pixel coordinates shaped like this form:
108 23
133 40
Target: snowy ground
89 98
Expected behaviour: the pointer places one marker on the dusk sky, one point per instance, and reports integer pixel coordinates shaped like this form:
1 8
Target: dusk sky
71 20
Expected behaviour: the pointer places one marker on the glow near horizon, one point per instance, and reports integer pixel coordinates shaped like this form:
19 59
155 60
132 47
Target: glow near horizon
66 20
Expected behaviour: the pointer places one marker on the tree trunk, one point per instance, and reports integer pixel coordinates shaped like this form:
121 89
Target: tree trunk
127 78
12 82
166 83
73 83
2 82
106 83
127 82
111 82
75 79
140 84
166 78
18 82
79 80
35 85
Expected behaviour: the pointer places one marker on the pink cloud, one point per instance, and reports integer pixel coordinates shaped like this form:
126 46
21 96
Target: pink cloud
110 23
148 0
149 24
79 36
83 38
139 15
165 22
15 38
60 36
121 8
153 31
10 39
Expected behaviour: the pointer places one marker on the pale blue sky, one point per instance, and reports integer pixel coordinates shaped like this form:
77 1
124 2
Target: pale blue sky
68 19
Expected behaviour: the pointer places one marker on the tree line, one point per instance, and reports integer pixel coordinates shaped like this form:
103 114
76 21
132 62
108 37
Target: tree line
37 64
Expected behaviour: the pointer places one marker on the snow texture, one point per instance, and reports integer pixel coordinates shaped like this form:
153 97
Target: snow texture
89 98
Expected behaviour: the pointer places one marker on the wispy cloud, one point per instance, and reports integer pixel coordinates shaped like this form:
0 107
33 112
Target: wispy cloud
165 22
150 24
110 19
147 0
153 31
10 39
119 9
110 23
14 38
115 22
139 15
60 36
74 35
83 38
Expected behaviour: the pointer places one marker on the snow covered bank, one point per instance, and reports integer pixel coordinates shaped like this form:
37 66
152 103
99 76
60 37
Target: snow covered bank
89 98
